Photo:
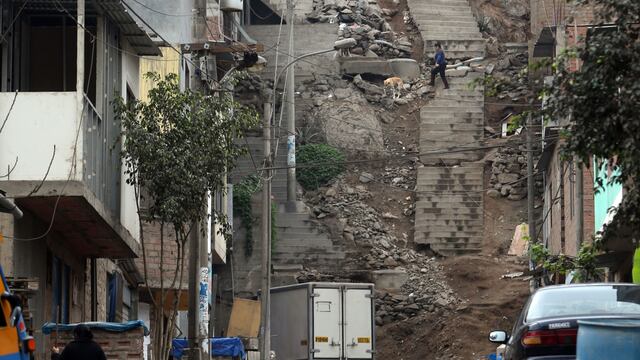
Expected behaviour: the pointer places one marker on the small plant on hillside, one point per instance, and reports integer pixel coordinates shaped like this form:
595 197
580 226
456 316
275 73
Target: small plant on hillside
318 164
242 194
483 23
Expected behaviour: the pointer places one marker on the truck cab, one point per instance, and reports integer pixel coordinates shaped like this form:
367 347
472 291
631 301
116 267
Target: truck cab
15 343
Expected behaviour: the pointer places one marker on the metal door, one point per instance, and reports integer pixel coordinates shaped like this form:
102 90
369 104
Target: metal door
358 326
327 318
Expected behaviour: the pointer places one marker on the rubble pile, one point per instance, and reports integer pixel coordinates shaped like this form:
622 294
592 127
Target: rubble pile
511 77
383 43
366 23
363 227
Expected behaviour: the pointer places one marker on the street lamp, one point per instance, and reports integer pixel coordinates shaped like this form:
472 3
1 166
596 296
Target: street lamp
8 206
265 296
291 136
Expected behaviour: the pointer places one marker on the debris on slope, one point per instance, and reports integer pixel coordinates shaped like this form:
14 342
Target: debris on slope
366 23
363 227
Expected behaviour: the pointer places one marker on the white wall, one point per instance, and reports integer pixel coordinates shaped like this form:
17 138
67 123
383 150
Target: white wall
38 121
128 209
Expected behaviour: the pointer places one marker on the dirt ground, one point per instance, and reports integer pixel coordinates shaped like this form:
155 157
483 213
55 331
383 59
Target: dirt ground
461 333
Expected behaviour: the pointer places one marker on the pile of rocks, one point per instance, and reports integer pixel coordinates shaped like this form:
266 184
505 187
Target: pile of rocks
383 43
509 173
359 225
511 77
365 22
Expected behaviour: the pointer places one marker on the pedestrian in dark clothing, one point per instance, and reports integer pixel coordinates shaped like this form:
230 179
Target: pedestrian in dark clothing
440 67
81 348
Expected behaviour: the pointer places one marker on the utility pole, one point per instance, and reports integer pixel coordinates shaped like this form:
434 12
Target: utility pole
579 205
198 327
265 295
291 112
530 181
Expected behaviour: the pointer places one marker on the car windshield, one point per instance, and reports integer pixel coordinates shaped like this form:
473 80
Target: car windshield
584 300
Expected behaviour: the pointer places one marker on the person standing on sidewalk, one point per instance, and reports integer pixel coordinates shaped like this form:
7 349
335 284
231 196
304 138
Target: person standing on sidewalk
440 67
81 348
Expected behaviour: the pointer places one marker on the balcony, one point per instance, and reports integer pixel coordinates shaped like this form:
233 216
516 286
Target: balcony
63 163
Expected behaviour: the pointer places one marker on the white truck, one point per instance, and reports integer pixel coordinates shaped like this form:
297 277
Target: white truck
329 321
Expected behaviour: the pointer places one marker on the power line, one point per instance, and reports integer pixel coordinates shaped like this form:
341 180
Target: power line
74 157
6 118
15 18
158 11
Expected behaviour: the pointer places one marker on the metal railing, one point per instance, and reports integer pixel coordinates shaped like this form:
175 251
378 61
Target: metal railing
101 158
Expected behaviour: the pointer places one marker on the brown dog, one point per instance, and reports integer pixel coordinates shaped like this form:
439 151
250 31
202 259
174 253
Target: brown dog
395 83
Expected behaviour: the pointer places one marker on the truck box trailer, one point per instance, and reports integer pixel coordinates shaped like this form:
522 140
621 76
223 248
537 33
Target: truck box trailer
329 321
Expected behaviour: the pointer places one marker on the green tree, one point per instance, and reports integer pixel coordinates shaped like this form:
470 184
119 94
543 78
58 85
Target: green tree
177 146
601 98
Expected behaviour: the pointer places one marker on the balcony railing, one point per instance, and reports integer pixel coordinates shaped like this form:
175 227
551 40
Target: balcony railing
101 158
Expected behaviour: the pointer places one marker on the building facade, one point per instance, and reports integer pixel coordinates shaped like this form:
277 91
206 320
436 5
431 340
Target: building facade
556 27
62 65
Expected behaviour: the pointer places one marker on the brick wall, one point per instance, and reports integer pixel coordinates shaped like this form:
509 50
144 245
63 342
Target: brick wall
116 346
554 175
169 257
571 214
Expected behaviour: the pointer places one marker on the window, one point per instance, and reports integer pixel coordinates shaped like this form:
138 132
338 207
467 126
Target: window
44 58
112 296
127 304
60 284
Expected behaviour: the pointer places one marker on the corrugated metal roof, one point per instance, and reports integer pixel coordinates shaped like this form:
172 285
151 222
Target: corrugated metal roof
134 33
137 37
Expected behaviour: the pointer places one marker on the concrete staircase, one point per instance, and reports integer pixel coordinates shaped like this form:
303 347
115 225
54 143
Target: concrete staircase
300 241
453 119
451 23
449 207
449 210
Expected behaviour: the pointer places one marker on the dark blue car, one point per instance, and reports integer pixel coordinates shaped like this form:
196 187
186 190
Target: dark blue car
547 328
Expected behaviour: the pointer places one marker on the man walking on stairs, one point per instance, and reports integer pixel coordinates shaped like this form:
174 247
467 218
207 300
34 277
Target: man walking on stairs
440 67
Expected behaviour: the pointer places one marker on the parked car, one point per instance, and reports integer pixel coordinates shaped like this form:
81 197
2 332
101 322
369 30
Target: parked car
547 328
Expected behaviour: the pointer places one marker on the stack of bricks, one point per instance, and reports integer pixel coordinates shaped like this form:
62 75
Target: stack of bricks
126 345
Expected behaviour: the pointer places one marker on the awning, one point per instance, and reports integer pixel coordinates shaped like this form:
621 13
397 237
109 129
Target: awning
546 43
135 34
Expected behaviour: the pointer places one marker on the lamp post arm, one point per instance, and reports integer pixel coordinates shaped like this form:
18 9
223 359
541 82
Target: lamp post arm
275 82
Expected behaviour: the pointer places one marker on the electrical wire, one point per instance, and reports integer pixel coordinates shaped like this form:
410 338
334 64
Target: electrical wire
74 158
158 11
15 18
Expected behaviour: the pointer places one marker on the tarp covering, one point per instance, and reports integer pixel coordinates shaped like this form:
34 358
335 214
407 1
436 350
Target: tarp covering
48 328
219 347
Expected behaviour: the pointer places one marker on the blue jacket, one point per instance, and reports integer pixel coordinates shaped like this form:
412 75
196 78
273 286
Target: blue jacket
440 59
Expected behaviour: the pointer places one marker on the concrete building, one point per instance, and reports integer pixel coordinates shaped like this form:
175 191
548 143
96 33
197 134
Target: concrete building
59 152
557 26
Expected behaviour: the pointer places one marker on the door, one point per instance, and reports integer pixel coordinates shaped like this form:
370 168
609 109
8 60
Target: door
327 318
358 326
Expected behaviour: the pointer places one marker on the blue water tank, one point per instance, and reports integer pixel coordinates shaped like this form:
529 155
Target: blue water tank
608 339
